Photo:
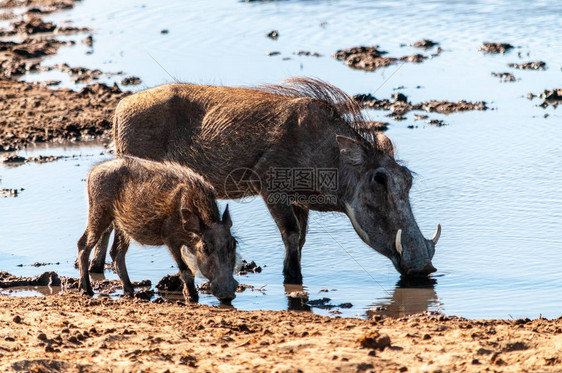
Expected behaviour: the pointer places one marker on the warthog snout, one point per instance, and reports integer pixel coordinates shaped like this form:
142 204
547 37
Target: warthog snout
426 270
224 290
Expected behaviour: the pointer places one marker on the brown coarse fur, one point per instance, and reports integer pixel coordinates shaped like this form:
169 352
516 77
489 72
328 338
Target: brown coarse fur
302 123
156 204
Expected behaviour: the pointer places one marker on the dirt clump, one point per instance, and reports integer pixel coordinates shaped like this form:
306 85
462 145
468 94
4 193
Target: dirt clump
273 34
308 53
364 58
495 48
550 97
436 122
505 77
372 58
10 192
374 340
246 267
536 65
131 80
425 44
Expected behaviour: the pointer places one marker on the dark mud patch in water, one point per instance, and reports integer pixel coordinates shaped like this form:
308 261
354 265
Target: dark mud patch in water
10 192
550 97
372 58
536 65
495 48
399 105
505 77
131 80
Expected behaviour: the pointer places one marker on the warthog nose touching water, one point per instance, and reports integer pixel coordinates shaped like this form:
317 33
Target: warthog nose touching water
276 133
159 204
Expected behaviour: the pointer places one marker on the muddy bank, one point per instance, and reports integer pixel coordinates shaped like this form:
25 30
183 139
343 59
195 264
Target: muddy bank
399 105
33 113
30 111
72 333
372 58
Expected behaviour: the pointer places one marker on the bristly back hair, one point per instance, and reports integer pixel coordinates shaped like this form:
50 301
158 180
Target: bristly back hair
343 104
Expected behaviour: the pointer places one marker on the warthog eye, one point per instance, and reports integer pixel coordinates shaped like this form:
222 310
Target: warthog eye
380 178
207 249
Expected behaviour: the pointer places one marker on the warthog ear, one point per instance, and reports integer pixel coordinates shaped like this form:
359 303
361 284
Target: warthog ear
385 145
190 221
351 150
226 217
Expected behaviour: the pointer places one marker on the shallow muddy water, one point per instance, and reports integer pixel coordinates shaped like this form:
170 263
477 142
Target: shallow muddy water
491 178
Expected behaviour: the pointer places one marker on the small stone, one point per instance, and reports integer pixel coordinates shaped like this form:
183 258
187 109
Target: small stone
17 319
374 340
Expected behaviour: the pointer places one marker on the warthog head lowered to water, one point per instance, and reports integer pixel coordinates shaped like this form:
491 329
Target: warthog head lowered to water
378 205
214 255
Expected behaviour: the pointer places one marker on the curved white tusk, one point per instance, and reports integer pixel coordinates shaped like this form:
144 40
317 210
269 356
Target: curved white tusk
436 235
399 242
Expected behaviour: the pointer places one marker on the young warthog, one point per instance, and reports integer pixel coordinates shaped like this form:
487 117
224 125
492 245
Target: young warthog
159 204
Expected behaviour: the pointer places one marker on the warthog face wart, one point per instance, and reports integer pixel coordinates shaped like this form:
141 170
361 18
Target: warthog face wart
379 205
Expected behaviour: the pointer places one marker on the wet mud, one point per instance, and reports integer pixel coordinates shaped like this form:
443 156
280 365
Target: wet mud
399 105
505 77
495 48
536 65
31 112
10 192
131 80
550 97
372 58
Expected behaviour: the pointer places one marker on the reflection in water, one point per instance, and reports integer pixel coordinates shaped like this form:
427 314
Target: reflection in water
32 290
297 297
410 296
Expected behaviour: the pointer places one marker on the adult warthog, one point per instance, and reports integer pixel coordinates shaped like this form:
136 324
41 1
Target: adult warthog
301 145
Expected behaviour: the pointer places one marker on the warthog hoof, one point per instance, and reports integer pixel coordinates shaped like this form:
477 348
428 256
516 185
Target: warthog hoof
87 292
192 298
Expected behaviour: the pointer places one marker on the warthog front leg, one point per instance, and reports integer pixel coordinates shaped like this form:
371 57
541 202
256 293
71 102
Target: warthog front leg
189 291
97 263
118 251
290 227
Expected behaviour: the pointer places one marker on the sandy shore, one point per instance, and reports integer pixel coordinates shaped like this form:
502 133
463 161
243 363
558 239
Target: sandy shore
72 333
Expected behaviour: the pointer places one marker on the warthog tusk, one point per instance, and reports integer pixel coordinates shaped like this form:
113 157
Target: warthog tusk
436 235
399 242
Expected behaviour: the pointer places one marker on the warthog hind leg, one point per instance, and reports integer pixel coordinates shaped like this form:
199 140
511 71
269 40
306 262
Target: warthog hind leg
97 263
